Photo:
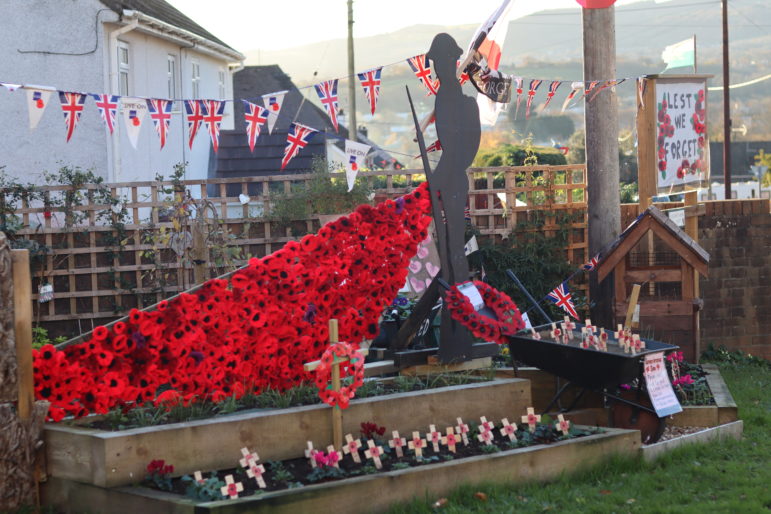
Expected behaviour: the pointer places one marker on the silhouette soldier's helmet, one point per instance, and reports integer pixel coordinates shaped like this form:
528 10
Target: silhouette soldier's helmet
443 46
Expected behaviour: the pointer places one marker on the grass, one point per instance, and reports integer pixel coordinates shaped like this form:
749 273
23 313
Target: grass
729 476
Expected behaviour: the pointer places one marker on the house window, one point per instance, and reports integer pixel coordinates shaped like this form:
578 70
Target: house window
222 83
171 75
196 79
123 68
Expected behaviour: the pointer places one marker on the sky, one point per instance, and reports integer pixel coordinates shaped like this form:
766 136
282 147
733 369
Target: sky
250 25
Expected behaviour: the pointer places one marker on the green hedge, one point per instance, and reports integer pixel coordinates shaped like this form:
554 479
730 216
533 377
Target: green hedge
514 155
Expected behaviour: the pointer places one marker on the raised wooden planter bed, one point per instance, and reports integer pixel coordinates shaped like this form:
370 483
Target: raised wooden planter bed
724 411
111 459
369 493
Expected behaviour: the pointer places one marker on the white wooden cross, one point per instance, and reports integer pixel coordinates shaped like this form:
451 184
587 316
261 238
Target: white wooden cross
434 436
636 344
310 454
534 334
256 471
450 440
352 446
374 452
485 425
589 327
568 325
509 430
397 443
249 457
333 456
198 477
603 340
485 436
417 444
619 334
462 429
231 488
531 418
555 332
584 338
563 425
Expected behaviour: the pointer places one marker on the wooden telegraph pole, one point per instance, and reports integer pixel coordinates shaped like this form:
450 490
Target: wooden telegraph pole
352 129
601 125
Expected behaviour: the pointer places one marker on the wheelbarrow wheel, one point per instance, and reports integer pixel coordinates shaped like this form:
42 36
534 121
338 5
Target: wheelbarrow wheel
623 415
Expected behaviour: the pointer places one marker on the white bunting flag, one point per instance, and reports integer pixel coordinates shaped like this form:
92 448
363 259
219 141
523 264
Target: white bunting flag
273 103
471 245
355 154
134 110
37 101
10 87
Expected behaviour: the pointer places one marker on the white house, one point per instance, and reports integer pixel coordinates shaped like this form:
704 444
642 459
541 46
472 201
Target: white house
132 48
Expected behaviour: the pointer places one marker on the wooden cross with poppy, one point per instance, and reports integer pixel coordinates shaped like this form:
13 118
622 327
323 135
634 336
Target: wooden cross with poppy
434 436
462 430
337 414
310 454
417 444
352 446
374 452
450 440
531 418
509 429
397 443
231 488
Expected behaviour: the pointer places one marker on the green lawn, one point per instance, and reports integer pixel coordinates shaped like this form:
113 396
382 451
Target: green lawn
731 476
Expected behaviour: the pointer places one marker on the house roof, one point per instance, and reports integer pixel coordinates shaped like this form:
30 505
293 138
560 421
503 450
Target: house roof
163 11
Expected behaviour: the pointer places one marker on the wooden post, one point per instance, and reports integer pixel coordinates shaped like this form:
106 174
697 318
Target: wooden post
646 146
692 229
22 306
603 205
8 376
632 306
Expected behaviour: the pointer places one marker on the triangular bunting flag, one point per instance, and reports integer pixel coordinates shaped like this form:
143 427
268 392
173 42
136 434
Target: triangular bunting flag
327 92
160 113
563 299
134 110
553 87
194 117
273 103
534 84
591 263
433 147
72 107
37 101
642 85
254 116
355 153
463 77
10 87
213 112
605 85
422 71
370 81
576 87
589 88
518 82
296 140
108 108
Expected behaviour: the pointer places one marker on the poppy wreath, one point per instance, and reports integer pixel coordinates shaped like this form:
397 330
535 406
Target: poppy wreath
508 322
247 334
353 364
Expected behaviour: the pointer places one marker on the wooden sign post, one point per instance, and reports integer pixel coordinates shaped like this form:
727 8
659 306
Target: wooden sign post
337 413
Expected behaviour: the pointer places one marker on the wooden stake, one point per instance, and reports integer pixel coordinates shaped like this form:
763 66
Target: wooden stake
22 305
632 306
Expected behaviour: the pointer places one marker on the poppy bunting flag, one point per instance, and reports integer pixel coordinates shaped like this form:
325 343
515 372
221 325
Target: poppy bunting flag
273 103
422 71
356 153
563 299
10 87
160 113
72 107
108 108
37 101
194 116
296 140
534 85
213 112
254 116
553 87
327 92
370 81
518 81
134 110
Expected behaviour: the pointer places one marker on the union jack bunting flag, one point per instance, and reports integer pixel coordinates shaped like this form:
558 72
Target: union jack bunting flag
297 139
606 84
563 299
160 113
433 147
194 117
591 87
370 81
534 85
72 107
108 107
518 81
463 78
327 92
422 71
553 87
213 110
591 263
254 116
576 87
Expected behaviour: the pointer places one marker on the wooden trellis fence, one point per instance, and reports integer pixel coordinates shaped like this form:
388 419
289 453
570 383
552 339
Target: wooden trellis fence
108 257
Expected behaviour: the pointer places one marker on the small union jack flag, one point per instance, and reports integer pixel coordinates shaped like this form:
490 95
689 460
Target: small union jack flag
463 78
370 81
296 140
194 117
553 87
591 263
254 116
518 81
72 107
534 85
422 70
160 113
108 107
327 92
563 299
213 110
433 147
606 84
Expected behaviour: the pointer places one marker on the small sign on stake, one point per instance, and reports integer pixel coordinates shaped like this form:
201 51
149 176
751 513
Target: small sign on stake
660 389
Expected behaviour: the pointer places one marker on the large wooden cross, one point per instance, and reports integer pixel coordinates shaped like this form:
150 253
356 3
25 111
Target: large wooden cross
337 413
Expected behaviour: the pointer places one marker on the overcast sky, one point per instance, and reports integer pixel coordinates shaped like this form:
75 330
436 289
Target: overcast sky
251 25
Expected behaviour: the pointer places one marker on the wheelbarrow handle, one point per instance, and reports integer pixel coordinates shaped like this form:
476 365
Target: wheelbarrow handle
527 294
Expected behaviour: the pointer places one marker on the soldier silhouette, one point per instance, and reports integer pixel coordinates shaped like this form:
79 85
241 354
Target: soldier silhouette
458 131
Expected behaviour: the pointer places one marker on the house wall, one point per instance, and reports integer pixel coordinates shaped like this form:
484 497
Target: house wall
69 26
